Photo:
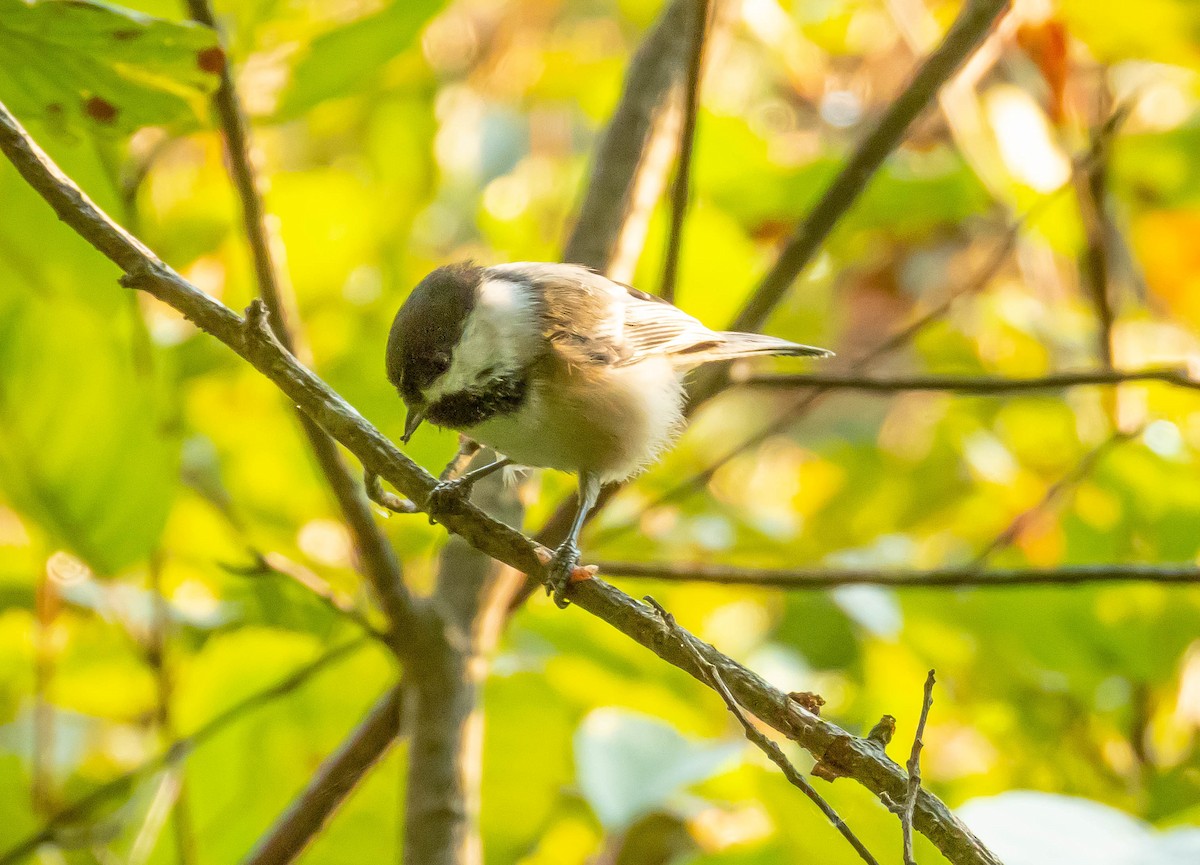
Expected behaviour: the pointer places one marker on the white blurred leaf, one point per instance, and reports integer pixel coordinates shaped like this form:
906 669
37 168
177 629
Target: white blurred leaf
1028 828
629 765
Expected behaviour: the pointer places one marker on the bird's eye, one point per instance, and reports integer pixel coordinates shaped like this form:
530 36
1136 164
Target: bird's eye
439 362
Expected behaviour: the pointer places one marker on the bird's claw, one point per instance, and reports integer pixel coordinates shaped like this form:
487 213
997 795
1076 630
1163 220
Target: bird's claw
563 569
558 574
447 498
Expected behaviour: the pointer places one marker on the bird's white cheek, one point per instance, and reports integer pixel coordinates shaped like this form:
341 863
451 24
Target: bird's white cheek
476 353
499 337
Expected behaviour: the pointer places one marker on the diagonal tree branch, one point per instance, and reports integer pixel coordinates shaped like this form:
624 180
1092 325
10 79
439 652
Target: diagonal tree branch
252 339
949 577
376 557
964 36
333 782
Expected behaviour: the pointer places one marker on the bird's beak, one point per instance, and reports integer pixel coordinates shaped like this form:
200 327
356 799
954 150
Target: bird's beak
411 422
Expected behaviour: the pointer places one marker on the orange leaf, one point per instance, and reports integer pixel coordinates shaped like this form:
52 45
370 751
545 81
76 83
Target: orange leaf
1046 44
1170 257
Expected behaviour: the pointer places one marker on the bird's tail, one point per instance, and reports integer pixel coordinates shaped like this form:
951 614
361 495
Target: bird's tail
734 345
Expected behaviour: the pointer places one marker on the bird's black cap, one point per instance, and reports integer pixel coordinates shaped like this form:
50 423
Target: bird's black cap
427 328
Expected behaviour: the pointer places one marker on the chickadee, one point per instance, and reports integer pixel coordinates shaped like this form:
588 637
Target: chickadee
553 366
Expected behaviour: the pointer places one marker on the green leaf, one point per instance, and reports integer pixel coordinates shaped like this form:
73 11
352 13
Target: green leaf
86 65
16 812
83 450
344 60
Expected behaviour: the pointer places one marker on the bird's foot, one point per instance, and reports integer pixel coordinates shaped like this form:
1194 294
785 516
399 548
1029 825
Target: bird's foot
563 569
447 498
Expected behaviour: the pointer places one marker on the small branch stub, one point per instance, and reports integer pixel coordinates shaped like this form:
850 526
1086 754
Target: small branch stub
385 498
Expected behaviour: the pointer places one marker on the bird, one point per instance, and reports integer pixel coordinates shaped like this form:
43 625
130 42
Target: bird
552 366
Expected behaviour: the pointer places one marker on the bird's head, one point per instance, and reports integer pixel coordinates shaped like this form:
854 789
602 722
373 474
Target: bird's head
459 346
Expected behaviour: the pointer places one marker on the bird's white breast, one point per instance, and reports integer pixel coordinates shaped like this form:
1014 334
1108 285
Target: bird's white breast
609 421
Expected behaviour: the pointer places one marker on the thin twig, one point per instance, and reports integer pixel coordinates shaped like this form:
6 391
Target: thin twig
332 783
395 504
162 804
386 498
680 187
467 448
1052 494
961 576
179 749
980 385
236 132
959 103
760 740
377 559
277 563
253 341
914 772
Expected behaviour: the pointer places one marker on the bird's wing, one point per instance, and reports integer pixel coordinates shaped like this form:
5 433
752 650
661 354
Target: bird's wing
655 327
590 319
594 319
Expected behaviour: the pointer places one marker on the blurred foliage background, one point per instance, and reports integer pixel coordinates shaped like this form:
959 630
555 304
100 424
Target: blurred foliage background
146 474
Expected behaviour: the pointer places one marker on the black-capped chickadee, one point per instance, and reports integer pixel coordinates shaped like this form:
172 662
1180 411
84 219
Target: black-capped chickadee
553 366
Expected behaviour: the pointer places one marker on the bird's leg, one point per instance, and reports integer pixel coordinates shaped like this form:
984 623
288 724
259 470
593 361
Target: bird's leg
448 496
561 569
467 448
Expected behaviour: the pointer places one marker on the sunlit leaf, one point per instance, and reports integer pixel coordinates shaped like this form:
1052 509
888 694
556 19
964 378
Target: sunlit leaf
342 61
83 64
89 454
